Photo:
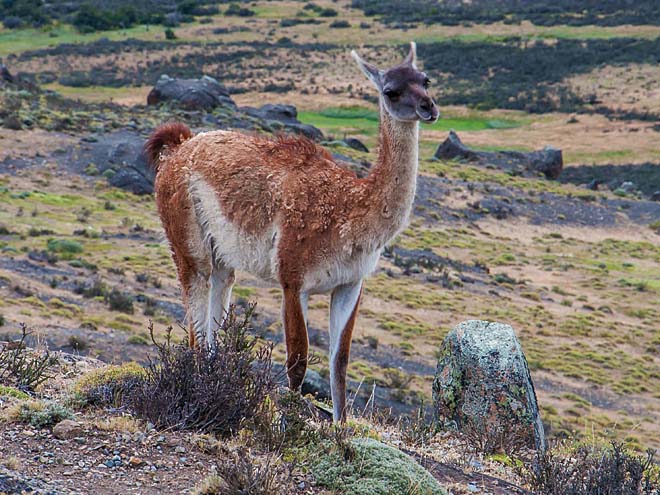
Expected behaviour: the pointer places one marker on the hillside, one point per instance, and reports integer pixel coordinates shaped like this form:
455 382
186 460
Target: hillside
572 264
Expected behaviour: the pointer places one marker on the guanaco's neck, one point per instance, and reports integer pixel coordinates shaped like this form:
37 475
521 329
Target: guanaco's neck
391 183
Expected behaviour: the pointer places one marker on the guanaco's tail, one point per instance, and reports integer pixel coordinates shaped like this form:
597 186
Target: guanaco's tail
169 136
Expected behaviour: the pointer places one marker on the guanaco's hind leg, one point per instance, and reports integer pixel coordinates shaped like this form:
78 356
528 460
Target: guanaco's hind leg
343 311
222 282
295 332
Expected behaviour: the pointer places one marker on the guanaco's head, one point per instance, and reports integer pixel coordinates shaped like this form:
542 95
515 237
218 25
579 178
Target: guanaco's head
403 88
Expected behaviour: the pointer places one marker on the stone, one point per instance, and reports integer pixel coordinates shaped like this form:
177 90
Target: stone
5 75
356 144
548 161
134 461
67 429
483 388
315 385
286 117
192 94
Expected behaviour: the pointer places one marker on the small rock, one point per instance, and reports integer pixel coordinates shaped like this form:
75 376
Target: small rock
179 449
67 429
628 187
135 461
109 463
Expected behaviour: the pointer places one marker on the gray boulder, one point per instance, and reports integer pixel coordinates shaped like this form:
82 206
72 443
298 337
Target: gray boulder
286 117
192 94
548 161
483 388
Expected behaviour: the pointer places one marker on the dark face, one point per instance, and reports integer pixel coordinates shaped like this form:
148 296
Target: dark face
403 89
405 94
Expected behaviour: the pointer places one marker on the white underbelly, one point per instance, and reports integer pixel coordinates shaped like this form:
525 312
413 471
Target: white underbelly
340 271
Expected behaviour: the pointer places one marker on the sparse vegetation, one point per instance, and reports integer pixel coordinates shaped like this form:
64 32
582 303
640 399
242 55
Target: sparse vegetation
22 367
593 470
214 392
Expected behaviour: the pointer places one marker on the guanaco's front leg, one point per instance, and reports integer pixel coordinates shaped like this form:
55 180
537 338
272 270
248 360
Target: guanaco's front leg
295 332
343 311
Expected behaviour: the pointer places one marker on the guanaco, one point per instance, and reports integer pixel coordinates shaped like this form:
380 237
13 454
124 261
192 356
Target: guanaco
283 210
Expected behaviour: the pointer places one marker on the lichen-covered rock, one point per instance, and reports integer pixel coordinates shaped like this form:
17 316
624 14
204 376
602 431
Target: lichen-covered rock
483 388
374 469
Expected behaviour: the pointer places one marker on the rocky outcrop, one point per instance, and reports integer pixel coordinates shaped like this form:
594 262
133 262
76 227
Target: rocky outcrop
483 388
192 94
283 117
548 161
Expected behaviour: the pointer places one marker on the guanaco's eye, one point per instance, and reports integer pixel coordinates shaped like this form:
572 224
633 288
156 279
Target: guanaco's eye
392 94
427 82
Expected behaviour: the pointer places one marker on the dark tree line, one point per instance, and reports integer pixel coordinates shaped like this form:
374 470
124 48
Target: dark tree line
539 12
525 75
89 16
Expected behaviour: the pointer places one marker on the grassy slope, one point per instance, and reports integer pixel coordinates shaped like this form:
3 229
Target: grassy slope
583 303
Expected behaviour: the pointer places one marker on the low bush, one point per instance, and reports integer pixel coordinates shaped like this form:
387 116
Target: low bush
65 246
591 470
340 24
22 367
235 9
211 390
111 385
120 301
41 414
245 473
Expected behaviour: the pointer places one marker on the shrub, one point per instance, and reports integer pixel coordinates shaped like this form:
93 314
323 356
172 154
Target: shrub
42 414
120 301
328 12
235 9
12 392
12 22
589 470
169 34
213 391
340 24
111 385
96 289
23 368
64 246
244 473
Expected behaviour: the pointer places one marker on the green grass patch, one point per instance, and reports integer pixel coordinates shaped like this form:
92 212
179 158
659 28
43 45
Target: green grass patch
19 40
354 120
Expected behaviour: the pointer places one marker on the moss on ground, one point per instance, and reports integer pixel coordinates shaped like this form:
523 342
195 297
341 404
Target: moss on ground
375 469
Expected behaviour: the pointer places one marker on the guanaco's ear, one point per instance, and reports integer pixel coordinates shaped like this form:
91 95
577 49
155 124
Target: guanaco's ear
371 71
411 58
